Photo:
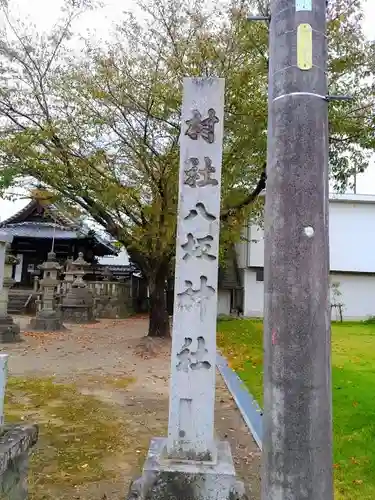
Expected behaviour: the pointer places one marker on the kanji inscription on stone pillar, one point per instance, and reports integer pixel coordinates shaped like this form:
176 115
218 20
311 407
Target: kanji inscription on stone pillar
192 390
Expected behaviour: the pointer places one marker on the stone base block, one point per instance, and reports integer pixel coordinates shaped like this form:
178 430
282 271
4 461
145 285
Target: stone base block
15 444
46 322
170 480
78 314
9 330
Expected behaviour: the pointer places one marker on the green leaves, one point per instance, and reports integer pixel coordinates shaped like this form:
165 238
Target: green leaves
103 130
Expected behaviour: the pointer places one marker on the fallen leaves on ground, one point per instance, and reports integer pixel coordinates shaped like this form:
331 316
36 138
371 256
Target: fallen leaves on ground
81 438
148 347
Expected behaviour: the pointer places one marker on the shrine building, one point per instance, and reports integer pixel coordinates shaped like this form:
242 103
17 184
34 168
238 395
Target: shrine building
41 227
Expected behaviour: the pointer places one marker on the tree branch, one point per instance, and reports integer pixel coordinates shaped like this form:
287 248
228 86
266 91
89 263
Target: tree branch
248 200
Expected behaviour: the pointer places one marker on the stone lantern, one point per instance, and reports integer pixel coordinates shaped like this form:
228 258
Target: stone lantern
78 304
48 317
9 330
79 269
69 275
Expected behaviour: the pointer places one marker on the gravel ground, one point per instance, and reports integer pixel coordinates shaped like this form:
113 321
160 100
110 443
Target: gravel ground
91 353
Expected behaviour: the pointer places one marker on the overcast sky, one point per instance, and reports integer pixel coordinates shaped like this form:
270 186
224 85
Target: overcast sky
44 12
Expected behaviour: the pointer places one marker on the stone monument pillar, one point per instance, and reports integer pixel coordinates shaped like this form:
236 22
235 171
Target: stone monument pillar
48 317
78 304
190 463
9 330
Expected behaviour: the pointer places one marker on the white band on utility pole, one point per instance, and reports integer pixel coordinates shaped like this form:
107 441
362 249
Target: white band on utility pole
296 94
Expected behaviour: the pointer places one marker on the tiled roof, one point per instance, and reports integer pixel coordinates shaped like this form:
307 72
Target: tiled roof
53 211
60 227
42 230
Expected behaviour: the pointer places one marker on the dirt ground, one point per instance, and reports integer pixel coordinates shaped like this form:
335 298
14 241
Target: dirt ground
89 356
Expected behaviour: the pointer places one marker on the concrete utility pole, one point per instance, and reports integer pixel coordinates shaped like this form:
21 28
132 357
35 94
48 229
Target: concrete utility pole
297 447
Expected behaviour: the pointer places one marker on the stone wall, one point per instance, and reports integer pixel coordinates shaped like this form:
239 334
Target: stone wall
112 299
15 444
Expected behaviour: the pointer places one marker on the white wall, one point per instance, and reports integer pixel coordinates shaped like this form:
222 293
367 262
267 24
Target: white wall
255 247
358 295
351 234
253 295
352 237
352 250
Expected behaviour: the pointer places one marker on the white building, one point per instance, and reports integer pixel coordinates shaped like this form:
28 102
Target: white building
352 260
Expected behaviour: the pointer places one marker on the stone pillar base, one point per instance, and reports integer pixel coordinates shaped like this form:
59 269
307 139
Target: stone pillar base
9 330
46 322
15 443
170 480
78 314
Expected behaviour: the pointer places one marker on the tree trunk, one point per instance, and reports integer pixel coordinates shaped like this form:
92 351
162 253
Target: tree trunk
159 318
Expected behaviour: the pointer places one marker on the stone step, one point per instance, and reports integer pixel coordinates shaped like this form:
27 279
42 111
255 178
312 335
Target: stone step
16 303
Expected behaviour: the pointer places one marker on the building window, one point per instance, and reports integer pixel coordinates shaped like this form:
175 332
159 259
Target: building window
260 274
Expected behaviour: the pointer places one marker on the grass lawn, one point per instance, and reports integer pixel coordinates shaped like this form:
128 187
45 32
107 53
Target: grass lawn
353 358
